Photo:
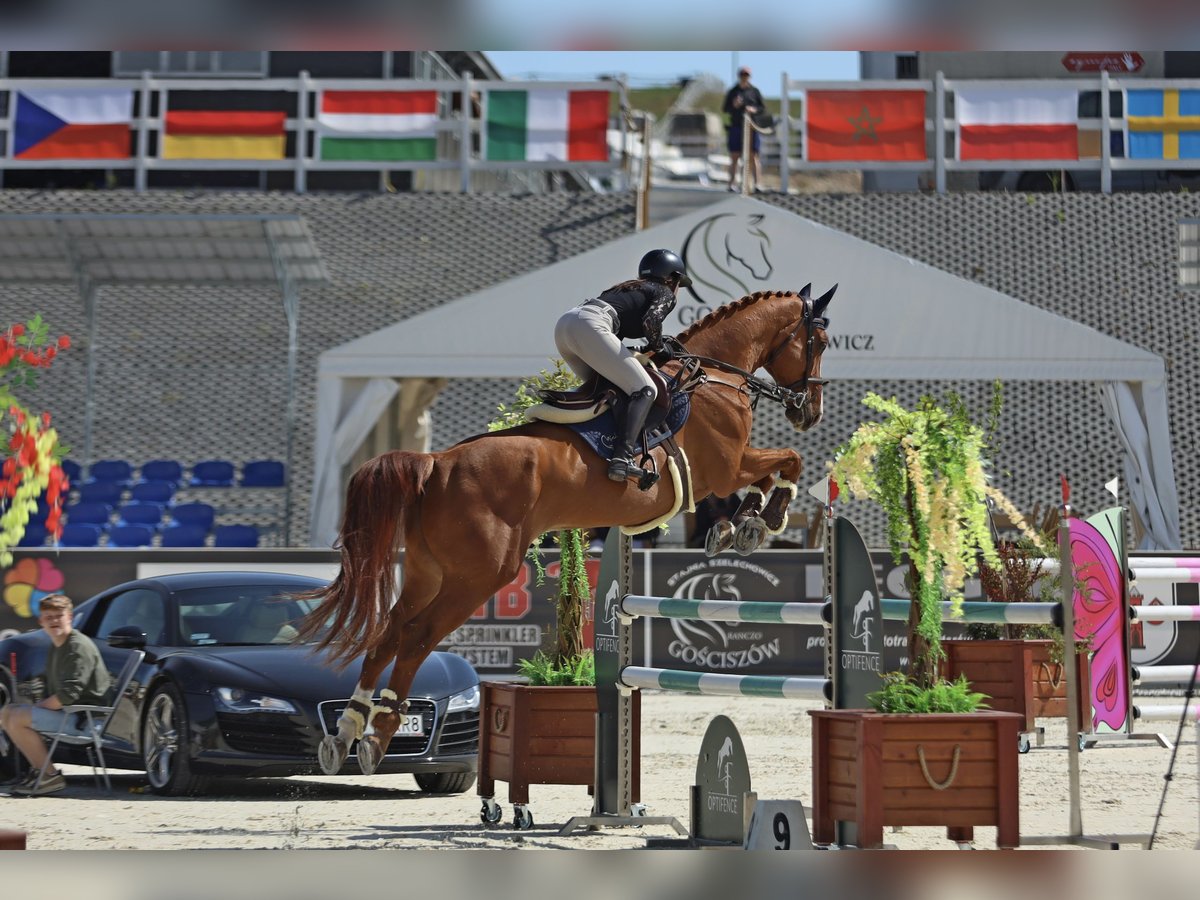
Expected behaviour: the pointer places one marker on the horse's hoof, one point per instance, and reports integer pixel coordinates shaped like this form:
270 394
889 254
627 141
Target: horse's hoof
370 754
331 754
749 536
720 538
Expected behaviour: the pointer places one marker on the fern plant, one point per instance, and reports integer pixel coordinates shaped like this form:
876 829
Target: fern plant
900 694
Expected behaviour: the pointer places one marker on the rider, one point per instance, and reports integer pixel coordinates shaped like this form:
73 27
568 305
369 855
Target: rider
589 338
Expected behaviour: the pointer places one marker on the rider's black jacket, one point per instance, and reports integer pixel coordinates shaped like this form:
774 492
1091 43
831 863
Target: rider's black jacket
641 306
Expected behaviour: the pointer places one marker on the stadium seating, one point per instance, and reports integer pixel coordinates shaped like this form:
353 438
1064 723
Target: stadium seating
162 470
201 514
75 535
235 536
130 536
109 492
149 514
117 470
34 536
212 473
89 514
263 473
152 491
72 470
183 536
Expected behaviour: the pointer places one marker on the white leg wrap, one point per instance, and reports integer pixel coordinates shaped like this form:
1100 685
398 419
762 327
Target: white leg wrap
784 484
352 722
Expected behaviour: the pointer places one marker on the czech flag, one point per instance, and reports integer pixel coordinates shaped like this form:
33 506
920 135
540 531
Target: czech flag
72 123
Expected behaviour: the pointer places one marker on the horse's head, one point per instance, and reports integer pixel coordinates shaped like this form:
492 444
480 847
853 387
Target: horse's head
746 247
794 358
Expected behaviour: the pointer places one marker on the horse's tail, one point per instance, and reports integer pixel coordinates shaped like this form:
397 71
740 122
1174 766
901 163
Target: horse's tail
351 616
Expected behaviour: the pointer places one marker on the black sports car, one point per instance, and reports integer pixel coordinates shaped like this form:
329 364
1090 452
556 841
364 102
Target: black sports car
223 692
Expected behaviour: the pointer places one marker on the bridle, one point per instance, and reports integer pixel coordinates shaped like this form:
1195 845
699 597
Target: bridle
794 395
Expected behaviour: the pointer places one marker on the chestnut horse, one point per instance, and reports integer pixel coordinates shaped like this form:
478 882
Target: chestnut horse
467 515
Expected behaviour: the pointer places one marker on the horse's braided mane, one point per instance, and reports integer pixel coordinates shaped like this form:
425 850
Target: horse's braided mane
721 313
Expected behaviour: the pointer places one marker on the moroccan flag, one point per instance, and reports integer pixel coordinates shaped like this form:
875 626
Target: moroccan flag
1163 124
547 125
211 134
1008 123
72 123
865 125
378 126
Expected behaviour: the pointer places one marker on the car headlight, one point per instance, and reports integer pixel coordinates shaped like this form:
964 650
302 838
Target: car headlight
468 699
237 700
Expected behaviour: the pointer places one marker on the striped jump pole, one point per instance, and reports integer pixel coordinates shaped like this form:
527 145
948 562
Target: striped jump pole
1165 613
984 611
819 614
710 683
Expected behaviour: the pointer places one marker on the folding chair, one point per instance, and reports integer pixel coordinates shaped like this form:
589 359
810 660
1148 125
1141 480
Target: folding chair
162 470
262 473
140 514
212 473
130 536
152 491
184 536
235 536
84 513
201 514
117 470
93 721
92 491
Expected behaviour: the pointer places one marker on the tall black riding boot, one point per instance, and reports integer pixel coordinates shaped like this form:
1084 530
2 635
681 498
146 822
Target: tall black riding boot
636 409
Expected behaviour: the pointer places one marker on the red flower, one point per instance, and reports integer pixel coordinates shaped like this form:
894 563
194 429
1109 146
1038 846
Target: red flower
64 342
18 330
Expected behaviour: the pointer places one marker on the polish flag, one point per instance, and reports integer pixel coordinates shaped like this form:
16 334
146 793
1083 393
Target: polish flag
1006 123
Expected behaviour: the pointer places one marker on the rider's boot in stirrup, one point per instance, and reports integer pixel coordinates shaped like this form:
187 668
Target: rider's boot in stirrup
621 466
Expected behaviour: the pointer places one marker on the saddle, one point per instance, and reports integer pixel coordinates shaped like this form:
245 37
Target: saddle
595 396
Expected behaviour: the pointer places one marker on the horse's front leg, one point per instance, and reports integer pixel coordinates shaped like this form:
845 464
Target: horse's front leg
776 471
353 721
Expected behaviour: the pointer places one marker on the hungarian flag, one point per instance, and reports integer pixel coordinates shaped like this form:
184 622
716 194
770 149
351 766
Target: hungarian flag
72 123
378 126
212 134
1007 123
547 125
865 125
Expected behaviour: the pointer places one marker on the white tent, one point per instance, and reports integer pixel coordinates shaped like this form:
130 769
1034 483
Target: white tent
894 318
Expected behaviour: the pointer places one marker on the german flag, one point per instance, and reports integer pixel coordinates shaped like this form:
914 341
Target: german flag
215 134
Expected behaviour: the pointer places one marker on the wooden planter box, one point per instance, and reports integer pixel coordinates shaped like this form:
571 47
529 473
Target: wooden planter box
542 735
1019 677
867 769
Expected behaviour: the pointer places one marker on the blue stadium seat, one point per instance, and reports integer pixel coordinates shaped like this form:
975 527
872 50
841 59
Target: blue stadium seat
212 473
201 514
262 473
162 470
130 536
72 470
101 492
152 491
111 470
34 536
80 535
149 514
235 536
184 536
89 514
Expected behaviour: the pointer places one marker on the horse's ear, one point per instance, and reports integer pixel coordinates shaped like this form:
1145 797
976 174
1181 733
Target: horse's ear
806 291
823 301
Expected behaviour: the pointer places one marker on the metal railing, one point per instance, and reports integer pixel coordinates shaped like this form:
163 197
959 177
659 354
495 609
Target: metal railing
460 128
942 129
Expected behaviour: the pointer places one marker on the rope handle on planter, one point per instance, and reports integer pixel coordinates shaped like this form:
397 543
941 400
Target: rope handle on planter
929 780
1053 680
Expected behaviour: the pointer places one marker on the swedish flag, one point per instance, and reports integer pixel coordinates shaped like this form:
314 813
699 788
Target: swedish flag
1163 124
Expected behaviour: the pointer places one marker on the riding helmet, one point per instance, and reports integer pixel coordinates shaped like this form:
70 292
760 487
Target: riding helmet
660 265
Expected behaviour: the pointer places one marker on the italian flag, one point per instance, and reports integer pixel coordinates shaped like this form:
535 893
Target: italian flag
378 126
547 125
1002 123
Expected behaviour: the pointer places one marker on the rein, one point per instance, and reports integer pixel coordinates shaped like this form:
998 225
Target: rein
794 395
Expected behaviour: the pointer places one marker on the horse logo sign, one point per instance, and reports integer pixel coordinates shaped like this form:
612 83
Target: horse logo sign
727 256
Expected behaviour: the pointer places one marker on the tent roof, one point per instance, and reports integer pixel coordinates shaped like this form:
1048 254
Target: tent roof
893 317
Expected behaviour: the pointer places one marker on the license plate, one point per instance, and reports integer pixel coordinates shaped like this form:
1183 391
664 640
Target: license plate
411 726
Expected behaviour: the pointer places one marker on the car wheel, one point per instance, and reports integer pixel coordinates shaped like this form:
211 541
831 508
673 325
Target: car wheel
444 782
165 746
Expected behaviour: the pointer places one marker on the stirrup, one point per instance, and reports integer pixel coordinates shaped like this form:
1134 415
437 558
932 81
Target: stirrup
619 468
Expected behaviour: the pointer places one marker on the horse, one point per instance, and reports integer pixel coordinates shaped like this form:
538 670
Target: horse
467 515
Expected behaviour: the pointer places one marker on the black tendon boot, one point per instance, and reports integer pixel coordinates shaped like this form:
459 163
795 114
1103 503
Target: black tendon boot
621 466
